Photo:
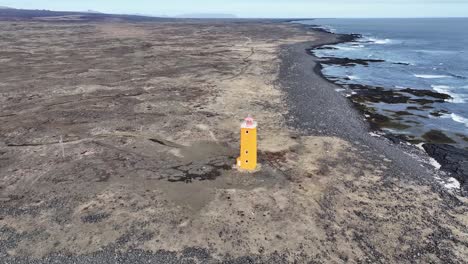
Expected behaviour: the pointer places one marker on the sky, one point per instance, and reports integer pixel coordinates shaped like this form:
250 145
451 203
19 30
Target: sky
259 8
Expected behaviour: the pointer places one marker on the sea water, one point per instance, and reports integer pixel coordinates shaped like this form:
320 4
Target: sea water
429 53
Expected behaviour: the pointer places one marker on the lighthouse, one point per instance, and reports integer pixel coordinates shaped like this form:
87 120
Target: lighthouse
248 145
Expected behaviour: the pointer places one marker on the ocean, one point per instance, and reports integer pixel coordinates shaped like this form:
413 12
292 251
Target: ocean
420 54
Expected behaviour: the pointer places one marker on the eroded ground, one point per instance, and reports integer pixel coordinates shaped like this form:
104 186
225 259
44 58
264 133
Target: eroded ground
119 137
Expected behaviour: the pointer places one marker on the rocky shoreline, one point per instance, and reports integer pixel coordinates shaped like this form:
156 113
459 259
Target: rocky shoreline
437 145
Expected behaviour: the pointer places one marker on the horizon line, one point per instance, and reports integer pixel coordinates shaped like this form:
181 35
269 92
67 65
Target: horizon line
235 16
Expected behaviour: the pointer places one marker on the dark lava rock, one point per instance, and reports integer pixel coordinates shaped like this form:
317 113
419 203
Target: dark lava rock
402 113
393 96
423 101
349 37
439 113
326 48
319 29
377 94
413 108
394 138
452 159
421 93
348 61
436 136
401 63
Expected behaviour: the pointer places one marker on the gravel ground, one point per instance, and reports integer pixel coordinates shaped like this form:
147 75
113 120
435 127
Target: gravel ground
117 142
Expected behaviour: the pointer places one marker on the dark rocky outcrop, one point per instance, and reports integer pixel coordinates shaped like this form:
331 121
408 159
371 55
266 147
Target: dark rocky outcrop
421 93
347 61
401 63
437 136
326 48
452 159
395 96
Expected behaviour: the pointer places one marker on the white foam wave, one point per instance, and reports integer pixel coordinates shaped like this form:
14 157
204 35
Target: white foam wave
434 163
346 48
452 183
379 41
332 30
438 51
353 77
459 119
430 76
372 134
445 89
441 88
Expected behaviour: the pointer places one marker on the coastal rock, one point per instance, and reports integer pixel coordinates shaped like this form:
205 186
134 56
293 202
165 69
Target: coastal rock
377 94
326 48
437 136
421 93
319 28
402 63
394 96
452 159
348 61
348 37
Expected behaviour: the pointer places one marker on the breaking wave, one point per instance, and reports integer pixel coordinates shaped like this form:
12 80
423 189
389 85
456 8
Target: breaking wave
445 89
376 40
459 119
431 76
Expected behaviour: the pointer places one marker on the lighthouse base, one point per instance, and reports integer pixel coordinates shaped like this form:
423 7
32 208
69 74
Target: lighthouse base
243 168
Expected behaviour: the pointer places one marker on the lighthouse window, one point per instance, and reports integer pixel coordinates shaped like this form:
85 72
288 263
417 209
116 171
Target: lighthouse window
246 152
247 132
246 161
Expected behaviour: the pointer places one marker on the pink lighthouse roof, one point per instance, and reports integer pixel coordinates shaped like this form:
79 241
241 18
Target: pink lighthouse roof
249 123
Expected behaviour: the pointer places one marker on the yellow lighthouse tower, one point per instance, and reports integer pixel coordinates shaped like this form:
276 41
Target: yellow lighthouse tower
248 146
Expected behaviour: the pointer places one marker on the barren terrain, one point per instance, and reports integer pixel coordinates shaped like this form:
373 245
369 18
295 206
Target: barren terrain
117 142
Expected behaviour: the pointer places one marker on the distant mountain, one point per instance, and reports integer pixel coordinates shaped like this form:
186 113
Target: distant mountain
92 11
207 15
12 14
147 15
